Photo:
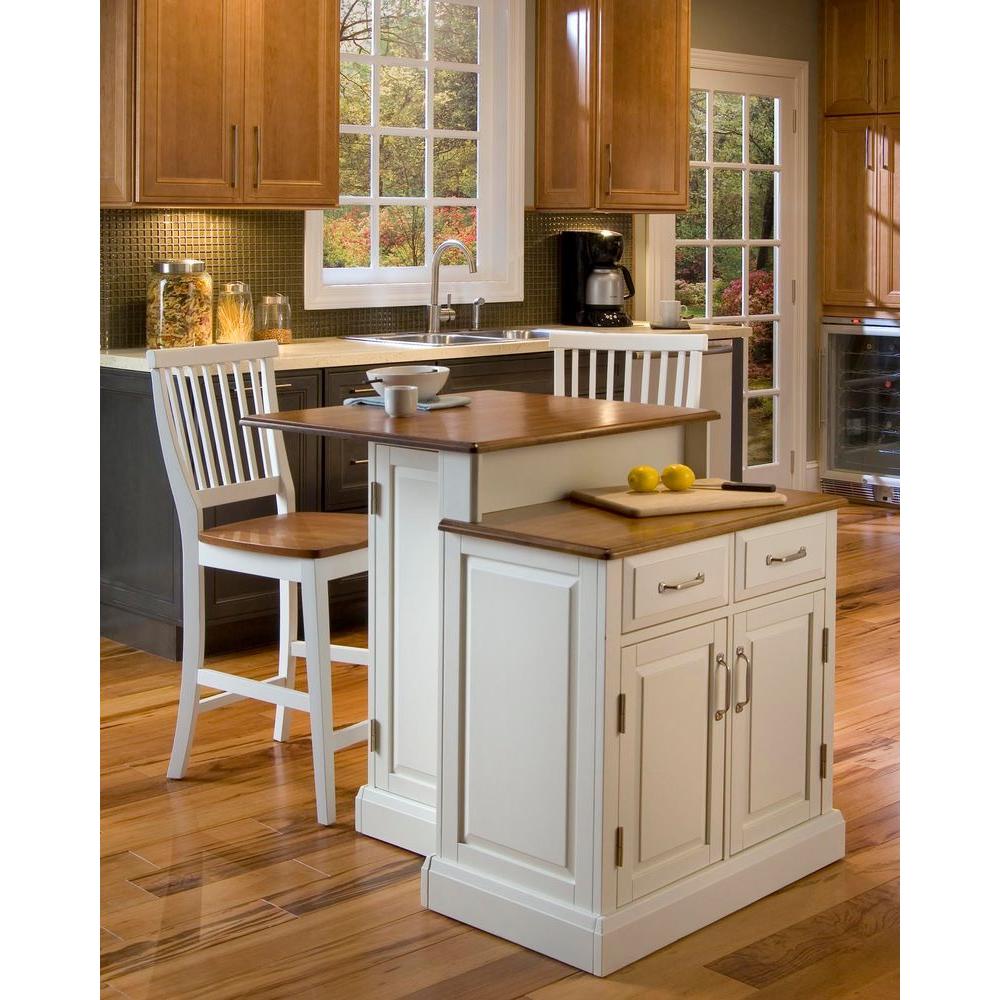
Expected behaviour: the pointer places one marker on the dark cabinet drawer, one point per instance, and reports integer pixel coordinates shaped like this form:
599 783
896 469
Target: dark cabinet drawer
345 483
511 372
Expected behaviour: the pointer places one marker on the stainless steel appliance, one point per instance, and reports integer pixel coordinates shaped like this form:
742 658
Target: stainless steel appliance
859 410
593 285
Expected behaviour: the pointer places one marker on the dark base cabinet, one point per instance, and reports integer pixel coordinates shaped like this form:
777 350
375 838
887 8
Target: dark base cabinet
140 539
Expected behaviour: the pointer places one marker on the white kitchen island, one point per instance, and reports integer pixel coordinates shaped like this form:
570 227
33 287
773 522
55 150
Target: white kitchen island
506 449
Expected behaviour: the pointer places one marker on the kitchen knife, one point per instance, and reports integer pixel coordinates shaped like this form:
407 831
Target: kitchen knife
709 484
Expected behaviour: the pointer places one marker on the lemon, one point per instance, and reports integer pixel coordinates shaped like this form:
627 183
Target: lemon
678 477
643 479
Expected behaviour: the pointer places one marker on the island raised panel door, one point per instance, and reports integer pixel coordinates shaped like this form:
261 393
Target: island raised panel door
849 58
850 210
644 49
117 101
290 143
672 759
777 718
888 212
190 107
888 56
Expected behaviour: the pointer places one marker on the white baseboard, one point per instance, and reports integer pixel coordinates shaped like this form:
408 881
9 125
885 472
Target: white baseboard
403 822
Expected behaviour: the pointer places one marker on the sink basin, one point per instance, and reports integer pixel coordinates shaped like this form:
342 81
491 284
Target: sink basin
455 339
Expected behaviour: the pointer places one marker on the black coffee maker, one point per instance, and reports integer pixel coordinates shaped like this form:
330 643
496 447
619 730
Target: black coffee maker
593 286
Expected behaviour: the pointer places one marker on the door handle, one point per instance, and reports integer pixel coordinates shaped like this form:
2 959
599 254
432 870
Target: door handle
740 654
720 661
686 585
800 553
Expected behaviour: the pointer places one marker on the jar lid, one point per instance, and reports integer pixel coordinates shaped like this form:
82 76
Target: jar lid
236 287
274 299
185 265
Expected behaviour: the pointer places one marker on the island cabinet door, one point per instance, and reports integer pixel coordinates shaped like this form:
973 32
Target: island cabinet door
672 759
776 719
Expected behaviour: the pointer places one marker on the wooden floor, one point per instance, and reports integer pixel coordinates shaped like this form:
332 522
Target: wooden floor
223 886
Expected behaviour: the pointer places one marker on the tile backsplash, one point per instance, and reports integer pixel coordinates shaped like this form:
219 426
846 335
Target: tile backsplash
266 249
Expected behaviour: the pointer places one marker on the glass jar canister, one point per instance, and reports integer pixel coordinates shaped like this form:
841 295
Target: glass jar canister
178 304
234 313
274 319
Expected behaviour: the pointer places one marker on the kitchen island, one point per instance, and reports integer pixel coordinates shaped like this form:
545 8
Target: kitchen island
637 721
506 449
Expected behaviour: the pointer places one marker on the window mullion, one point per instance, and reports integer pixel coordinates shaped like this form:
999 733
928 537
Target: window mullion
709 201
429 146
376 151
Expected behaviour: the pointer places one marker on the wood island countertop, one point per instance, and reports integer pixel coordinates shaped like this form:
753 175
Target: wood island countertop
493 421
582 530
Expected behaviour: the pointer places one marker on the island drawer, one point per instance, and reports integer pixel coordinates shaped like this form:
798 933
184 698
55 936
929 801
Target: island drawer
780 555
661 586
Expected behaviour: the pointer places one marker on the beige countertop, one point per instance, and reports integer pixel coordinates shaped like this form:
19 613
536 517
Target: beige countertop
336 352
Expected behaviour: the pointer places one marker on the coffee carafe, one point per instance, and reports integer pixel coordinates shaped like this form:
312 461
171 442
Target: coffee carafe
593 285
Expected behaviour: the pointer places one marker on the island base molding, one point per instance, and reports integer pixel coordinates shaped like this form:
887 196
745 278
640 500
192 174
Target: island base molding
601 944
395 819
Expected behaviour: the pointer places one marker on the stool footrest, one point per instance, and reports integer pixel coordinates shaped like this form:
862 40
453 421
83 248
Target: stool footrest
338 654
272 690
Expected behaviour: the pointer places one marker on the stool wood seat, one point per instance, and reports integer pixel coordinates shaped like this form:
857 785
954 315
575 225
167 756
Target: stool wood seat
300 534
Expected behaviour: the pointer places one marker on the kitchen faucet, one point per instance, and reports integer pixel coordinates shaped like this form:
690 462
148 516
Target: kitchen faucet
434 314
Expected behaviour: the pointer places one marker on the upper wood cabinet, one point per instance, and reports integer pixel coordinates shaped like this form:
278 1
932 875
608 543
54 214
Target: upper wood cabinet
612 105
861 57
117 111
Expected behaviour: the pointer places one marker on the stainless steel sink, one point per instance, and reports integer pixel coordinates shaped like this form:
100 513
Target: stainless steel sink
459 337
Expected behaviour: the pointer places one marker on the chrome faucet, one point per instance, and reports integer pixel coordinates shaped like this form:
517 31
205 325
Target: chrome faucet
434 315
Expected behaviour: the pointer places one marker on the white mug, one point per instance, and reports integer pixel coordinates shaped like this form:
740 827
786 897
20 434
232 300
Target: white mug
400 400
668 312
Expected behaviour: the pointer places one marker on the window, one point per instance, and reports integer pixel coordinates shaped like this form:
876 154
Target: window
431 148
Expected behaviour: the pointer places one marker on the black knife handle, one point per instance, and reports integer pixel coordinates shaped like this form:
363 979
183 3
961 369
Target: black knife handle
750 487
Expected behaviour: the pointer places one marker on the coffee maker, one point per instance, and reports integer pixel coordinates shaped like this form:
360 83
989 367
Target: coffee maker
593 286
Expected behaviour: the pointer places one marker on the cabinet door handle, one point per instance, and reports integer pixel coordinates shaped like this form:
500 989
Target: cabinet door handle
256 156
284 385
686 585
885 147
885 80
720 661
740 654
868 81
236 156
868 148
800 553
358 461
608 147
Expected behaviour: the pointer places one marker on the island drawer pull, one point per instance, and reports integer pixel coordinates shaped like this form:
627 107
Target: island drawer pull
360 389
793 557
740 705
720 661
686 585
358 461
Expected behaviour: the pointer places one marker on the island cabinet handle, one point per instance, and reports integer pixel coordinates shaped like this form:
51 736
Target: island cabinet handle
740 654
792 557
686 585
720 661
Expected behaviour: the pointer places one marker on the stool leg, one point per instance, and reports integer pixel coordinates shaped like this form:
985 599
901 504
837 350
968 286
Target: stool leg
193 658
288 596
316 625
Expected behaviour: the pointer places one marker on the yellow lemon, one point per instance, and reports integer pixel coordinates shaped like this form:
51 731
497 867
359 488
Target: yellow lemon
643 479
678 477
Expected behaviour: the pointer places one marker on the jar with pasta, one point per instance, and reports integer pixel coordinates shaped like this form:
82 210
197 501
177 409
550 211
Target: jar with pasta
234 313
178 304
274 319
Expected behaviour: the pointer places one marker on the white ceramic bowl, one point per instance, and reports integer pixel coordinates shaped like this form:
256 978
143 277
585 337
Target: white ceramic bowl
429 379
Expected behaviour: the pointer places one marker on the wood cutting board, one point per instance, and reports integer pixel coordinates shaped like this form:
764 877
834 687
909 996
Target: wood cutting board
671 502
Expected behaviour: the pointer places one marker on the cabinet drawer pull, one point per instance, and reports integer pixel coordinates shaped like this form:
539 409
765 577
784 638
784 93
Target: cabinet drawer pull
284 385
358 461
791 557
740 705
720 661
686 585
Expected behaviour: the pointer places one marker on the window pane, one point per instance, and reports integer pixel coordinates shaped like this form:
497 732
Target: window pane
401 96
454 168
760 430
355 94
689 281
696 123
727 281
355 25
691 224
760 358
347 236
403 28
455 100
355 165
727 205
762 205
761 112
401 236
761 264
401 166
727 128
456 32
455 222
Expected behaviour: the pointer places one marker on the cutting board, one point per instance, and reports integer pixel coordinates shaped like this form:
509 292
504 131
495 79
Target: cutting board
671 502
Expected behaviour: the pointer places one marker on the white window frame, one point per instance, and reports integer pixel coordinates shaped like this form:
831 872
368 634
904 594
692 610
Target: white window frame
661 250
500 215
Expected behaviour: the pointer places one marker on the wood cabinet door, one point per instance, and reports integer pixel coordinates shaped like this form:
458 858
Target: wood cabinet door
850 205
644 50
777 719
888 55
672 761
565 104
888 211
850 51
117 101
190 69
290 145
